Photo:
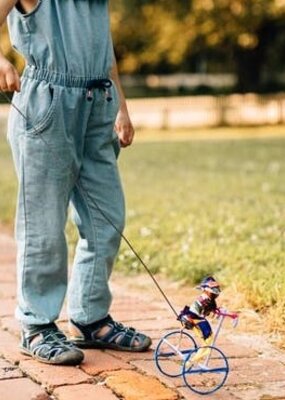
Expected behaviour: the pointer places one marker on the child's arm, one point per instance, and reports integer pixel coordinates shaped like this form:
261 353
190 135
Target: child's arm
9 77
123 125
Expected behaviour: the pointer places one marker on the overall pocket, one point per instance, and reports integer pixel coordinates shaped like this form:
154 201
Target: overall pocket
40 106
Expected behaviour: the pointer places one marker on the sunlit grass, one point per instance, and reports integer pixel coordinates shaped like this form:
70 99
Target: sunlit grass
196 207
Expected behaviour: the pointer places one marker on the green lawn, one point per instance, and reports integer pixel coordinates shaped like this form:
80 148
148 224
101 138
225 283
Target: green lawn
198 207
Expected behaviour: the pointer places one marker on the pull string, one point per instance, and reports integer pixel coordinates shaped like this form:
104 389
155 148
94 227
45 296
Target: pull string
105 216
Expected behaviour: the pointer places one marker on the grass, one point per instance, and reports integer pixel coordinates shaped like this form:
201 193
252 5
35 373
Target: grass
202 206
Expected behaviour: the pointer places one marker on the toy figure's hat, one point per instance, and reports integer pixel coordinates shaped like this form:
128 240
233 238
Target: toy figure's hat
209 283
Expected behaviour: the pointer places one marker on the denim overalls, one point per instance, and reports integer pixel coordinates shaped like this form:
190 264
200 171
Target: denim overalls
65 150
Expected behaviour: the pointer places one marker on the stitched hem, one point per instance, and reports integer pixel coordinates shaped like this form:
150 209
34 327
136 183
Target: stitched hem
25 230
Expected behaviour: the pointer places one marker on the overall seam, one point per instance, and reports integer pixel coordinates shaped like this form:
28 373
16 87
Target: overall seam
25 230
95 236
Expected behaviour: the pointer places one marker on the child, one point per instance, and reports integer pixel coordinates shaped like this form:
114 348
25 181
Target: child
194 317
64 148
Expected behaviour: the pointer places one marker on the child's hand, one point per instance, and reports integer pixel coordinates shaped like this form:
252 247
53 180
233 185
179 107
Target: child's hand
124 127
9 77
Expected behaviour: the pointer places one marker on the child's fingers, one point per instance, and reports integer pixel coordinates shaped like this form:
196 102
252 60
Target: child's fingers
3 84
12 80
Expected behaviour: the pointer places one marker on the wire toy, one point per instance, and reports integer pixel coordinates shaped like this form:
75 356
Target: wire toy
204 369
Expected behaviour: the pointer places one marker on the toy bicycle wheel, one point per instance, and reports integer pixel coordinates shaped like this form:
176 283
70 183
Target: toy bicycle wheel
205 370
171 352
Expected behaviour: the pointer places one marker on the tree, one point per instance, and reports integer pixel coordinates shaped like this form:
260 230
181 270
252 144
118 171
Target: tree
165 35
246 29
8 51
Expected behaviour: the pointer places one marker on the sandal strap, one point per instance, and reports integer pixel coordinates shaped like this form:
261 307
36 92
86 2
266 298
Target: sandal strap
118 333
51 342
117 336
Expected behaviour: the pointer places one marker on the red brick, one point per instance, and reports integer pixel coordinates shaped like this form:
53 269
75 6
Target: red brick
7 276
128 305
133 386
131 356
149 367
9 348
258 370
7 290
266 391
222 394
7 258
7 307
98 361
156 334
11 324
236 351
21 389
167 323
8 371
51 376
132 314
84 392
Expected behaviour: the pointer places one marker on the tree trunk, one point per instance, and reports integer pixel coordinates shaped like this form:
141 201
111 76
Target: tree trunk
250 62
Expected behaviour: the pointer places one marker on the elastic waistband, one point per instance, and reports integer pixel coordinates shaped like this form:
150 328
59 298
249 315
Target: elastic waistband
61 79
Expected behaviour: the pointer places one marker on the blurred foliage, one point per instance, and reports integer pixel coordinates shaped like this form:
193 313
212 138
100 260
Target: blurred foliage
7 49
243 36
165 36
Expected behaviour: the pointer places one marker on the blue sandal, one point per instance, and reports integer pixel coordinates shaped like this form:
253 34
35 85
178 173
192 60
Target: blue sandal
118 336
47 344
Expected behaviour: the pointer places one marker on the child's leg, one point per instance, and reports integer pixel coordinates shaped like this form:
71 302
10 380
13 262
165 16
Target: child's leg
99 184
43 163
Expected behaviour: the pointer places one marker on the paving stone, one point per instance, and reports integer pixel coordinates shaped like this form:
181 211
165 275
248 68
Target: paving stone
156 334
52 376
4 363
9 348
133 315
7 290
124 300
11 324
7 276
133 386
7 307
21 389
262 392
162 325
8 371
7 258
232 350
150 368
222 394
96 361
256 371
84 392
131 356
251 377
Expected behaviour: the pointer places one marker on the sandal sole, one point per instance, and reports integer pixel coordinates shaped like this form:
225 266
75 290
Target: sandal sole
43 360
102 345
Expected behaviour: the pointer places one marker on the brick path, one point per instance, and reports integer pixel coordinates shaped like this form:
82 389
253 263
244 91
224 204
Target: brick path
257 369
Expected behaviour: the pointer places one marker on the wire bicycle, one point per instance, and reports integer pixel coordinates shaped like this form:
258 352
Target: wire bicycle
204 369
